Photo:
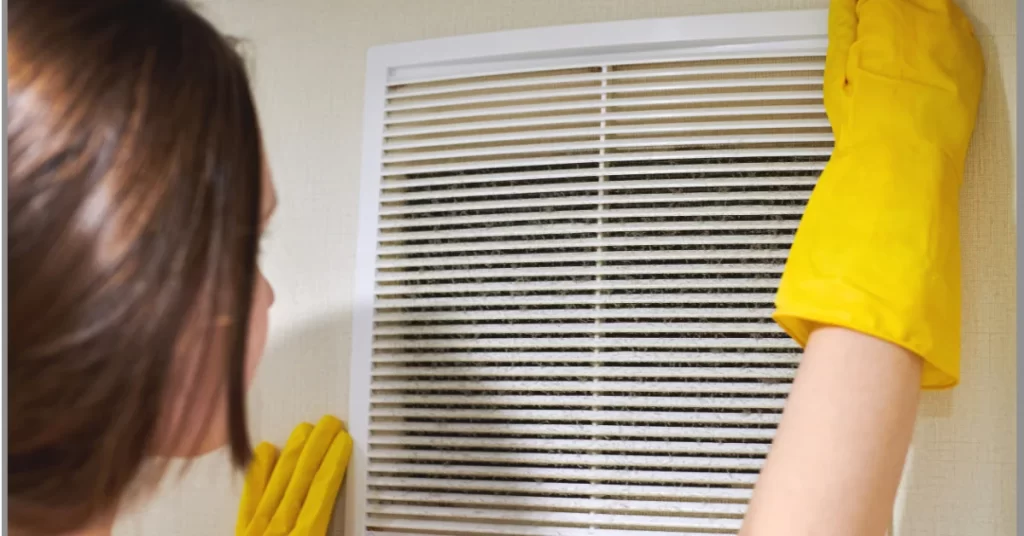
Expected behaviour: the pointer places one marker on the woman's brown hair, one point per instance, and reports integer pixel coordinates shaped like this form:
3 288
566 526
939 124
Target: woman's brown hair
134 189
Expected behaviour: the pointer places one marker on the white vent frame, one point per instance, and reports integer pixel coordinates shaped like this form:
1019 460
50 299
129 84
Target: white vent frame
477 54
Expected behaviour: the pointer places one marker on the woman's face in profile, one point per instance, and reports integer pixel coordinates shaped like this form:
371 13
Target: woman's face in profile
263 294
194 439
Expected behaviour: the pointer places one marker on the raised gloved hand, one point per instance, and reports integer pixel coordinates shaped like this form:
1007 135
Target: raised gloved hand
293 493
878 248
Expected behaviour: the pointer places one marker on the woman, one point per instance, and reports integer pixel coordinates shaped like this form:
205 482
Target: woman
137 197
138 193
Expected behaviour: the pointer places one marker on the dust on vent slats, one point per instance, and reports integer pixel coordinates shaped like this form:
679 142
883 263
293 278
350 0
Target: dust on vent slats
575 274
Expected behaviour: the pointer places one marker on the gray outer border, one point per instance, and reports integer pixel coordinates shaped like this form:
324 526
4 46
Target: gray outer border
1020 242
3 163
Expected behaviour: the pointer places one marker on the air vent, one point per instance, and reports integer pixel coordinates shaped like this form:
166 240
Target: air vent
575 269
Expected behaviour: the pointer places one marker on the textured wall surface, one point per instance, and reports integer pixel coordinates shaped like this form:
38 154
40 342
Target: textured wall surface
308 62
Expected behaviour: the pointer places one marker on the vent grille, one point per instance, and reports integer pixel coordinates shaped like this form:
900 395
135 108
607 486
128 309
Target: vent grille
575 271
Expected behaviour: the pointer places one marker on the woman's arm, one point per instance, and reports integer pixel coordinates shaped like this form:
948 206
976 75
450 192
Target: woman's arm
876 258
837 458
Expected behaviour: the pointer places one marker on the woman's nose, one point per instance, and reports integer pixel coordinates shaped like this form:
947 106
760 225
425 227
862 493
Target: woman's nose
269 288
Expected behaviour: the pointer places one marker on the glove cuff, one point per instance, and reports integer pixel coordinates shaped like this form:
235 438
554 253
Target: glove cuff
846 308
877 251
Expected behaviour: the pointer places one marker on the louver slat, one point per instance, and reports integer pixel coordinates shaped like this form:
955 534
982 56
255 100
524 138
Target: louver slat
455 86
499 98
575 272
561 146
552 133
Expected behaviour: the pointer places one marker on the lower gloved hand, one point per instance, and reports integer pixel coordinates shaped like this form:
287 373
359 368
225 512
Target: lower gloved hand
293 492
878 248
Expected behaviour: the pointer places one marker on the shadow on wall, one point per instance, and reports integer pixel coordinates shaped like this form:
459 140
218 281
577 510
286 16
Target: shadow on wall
303 376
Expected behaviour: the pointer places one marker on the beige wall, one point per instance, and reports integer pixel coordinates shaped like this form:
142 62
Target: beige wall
308 60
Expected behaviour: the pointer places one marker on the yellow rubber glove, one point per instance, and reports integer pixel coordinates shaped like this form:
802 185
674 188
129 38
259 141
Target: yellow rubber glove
264 457
319 503
878 248
275 488
298 497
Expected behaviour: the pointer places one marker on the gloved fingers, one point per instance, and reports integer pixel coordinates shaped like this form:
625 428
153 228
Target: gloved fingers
279 480
257 476
305 469
316 510
842 33
923 48
882 48
923 41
